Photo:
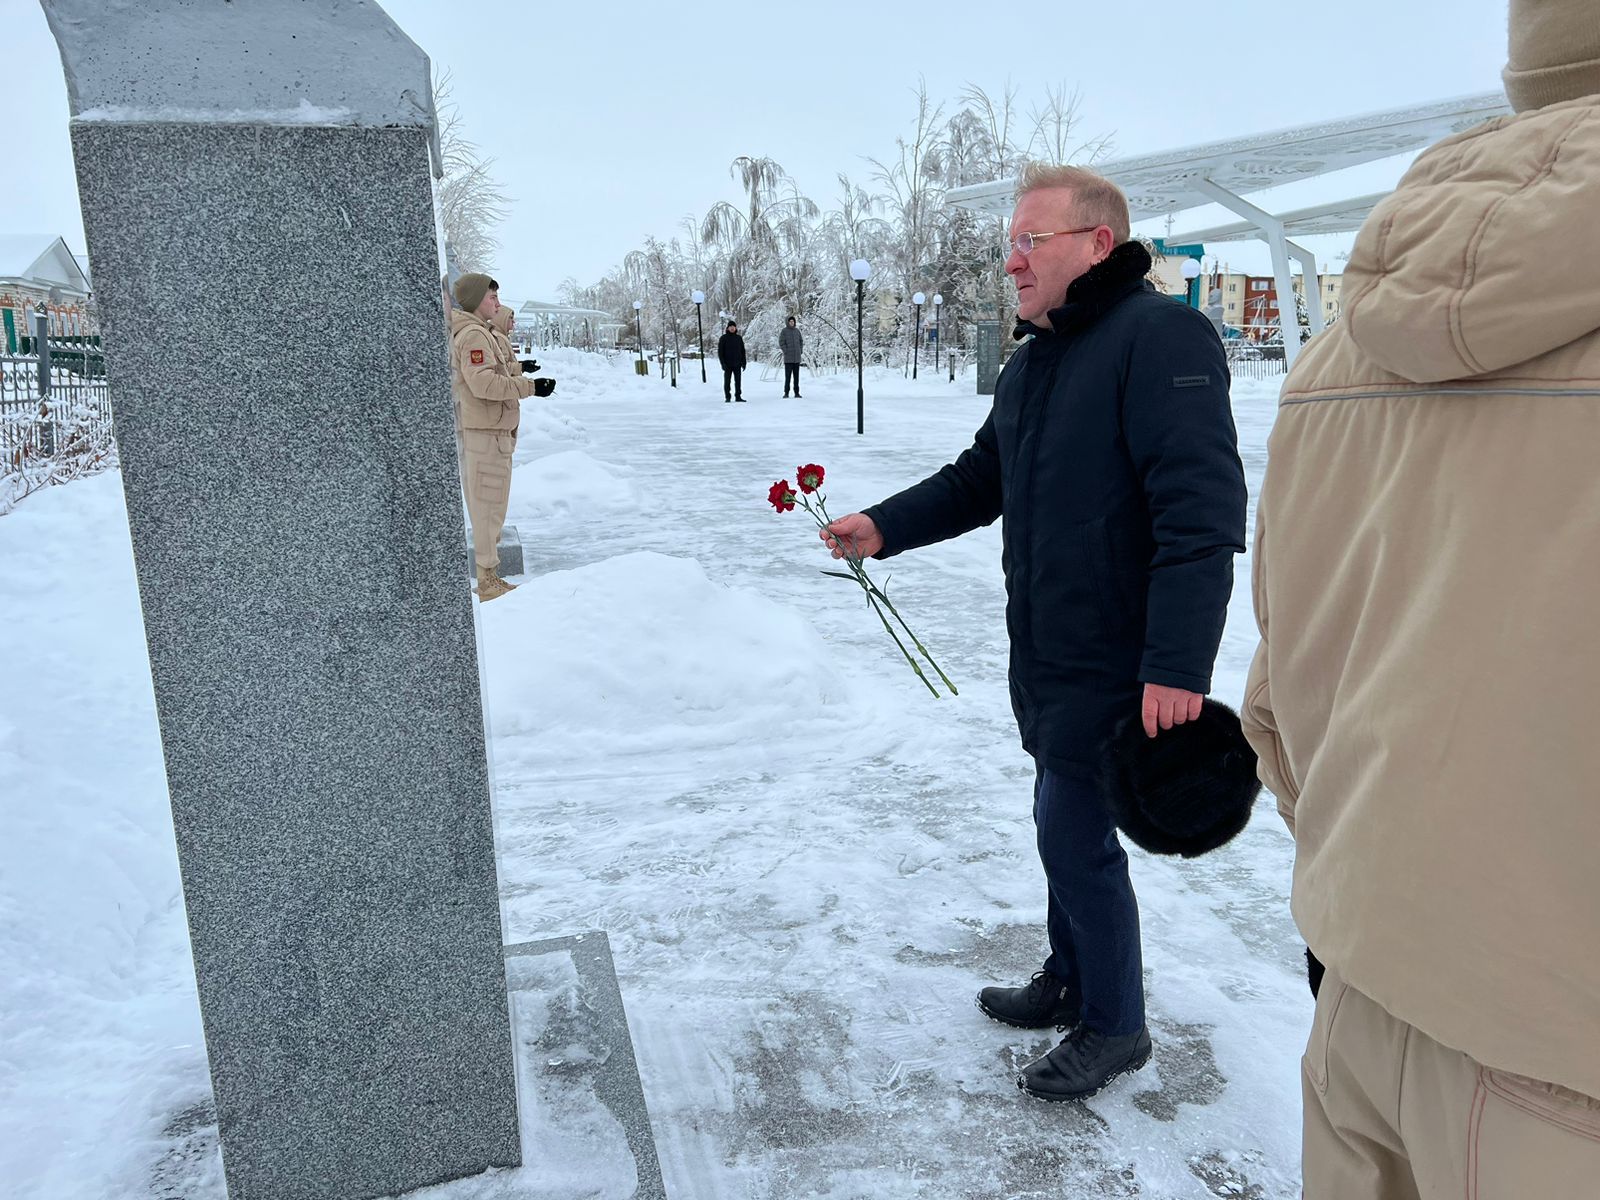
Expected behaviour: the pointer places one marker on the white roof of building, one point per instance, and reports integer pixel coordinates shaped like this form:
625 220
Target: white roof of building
43 260
1164 182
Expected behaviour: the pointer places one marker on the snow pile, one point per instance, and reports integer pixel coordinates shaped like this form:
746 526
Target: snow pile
98 1019
545 429
572 482
645 653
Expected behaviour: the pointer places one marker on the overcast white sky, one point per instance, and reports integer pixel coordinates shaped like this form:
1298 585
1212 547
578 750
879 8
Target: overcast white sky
611 122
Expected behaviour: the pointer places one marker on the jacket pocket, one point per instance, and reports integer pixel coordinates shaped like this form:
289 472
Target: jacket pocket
1113 597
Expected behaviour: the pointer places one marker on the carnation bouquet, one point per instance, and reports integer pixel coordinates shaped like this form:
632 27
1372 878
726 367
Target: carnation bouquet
810 498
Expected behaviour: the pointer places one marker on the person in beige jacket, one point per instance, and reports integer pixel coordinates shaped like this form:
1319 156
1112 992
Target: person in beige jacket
488 386
1426 575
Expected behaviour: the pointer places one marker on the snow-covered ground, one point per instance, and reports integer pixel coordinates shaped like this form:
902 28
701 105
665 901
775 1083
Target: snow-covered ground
807 865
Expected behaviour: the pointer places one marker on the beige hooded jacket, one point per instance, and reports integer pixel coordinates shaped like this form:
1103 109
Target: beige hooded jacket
486 378
1426 695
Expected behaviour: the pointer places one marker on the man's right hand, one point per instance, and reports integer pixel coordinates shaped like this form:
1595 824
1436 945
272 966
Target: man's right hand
543 387
855 533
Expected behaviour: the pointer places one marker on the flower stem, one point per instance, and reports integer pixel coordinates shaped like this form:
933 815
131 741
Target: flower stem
872 589
878 599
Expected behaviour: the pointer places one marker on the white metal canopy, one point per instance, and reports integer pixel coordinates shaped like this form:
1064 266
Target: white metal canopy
1342 216
1226 171
1164 182
564 320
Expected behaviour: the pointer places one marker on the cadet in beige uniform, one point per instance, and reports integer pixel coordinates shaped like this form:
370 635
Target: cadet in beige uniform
488 386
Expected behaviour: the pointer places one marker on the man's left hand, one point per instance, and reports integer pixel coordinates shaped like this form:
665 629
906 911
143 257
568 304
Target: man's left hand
1165 707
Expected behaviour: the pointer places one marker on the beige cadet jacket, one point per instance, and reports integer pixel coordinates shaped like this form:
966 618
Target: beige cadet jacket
1427 581
486 378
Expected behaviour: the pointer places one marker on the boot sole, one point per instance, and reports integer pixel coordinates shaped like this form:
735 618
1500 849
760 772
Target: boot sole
996 1017
1051 1098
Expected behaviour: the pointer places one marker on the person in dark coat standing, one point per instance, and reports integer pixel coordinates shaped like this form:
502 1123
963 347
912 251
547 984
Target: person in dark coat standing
791 343
730 353
1111 454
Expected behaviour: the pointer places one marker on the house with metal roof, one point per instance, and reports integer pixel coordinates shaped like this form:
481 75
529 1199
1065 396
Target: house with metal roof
39 273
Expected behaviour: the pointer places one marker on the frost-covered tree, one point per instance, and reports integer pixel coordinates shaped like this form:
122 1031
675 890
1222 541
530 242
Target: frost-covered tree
769 251
471 203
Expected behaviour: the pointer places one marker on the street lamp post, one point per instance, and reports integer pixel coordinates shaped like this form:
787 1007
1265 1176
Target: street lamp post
638 330
916 332
860 271
938 342
699 298
1191 288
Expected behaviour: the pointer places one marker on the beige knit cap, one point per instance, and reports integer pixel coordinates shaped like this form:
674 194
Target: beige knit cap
1554 54
471 288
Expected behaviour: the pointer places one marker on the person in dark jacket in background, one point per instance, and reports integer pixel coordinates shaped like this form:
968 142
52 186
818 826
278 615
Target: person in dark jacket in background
730 353
1111 453
791 343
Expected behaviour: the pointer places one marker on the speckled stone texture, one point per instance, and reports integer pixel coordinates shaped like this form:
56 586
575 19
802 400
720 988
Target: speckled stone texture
583 1049
276 348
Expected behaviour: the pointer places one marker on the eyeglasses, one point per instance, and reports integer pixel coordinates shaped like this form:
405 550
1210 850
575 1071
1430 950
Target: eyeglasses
1024 243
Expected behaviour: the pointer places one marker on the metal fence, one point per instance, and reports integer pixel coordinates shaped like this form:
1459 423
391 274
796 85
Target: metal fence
1253 364
55 415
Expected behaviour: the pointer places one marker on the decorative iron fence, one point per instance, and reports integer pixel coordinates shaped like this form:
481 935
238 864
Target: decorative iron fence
55 416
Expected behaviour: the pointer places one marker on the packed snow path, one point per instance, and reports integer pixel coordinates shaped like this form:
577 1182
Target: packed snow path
806 864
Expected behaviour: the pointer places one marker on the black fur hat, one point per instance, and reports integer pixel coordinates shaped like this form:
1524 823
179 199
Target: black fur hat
1187 790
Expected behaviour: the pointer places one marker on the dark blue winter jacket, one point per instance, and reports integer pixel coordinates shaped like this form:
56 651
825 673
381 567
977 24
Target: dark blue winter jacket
1111 453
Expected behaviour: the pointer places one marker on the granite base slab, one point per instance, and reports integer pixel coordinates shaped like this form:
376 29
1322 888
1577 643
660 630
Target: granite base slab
580 1094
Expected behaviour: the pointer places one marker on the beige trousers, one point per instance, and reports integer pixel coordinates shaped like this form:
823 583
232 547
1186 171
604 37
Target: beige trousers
1390 1114
486 480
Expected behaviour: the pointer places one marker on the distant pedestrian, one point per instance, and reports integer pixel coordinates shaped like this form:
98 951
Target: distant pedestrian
791 343
730 353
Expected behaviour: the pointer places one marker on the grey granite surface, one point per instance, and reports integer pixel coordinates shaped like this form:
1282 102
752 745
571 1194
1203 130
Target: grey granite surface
276 349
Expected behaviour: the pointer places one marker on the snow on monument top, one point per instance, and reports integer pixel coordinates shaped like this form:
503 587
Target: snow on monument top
335 62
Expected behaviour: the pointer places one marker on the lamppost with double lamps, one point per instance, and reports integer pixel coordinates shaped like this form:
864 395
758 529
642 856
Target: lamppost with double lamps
699 298
916 332
860 271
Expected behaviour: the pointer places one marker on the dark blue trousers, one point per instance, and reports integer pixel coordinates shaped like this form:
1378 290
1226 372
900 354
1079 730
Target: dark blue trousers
1093 916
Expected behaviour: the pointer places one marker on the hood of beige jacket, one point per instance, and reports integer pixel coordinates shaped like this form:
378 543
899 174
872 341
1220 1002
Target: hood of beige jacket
1485 255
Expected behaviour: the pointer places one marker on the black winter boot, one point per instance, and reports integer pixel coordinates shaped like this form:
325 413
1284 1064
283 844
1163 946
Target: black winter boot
1040 1003
1084 1062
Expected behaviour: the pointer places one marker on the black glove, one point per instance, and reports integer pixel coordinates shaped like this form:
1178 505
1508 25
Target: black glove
543 387
529 366
1314 971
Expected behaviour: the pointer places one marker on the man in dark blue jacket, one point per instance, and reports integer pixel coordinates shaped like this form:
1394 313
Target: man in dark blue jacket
1111 454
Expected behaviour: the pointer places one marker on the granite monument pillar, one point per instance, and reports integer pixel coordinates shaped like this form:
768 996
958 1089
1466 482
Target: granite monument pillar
255 181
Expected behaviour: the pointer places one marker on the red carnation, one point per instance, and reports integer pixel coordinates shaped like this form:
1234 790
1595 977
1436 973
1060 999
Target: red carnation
810 477
781 496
